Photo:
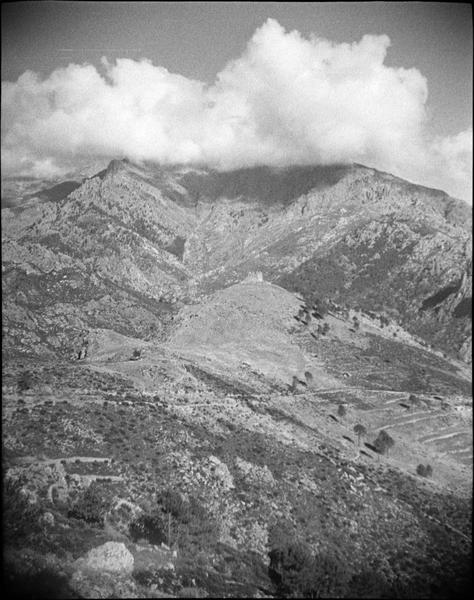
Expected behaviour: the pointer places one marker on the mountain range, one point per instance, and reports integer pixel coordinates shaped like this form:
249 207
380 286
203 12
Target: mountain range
124 248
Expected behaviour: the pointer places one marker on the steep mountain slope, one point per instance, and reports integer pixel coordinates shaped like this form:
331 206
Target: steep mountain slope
357 236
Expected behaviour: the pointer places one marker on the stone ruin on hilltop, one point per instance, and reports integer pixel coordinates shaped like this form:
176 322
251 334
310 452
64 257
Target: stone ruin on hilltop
254 277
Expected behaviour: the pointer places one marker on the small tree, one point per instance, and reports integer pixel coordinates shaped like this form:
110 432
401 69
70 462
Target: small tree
294 383
341 410
308 376
384 442
424 471
360 431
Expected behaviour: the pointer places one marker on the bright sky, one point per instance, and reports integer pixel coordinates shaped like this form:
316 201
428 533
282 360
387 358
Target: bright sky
288 98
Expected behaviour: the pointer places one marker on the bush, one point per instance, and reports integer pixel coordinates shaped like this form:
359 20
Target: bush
173 503
177 520
298 573
20 517
341 410
324 577
91 507
25 381
414 400
369 584
35 582
286 563
149 527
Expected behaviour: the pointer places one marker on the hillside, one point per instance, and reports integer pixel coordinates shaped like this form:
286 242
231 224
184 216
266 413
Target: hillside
197 370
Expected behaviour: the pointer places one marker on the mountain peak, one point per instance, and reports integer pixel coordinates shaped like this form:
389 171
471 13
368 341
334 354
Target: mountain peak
116 166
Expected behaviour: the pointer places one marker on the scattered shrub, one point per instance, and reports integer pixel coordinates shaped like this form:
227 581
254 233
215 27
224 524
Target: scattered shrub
92 506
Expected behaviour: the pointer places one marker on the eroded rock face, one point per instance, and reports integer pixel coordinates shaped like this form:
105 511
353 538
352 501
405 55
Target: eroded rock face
111 557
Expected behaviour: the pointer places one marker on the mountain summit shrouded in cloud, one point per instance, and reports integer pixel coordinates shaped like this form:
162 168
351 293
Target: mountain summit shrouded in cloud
287 100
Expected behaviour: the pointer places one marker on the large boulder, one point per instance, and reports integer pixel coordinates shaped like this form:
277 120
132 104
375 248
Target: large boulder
254 473
218 473
112 557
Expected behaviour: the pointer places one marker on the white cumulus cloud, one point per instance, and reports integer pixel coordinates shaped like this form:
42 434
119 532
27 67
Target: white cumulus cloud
287 100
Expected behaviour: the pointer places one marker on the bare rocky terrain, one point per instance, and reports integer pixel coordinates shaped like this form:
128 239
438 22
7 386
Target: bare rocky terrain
198 366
